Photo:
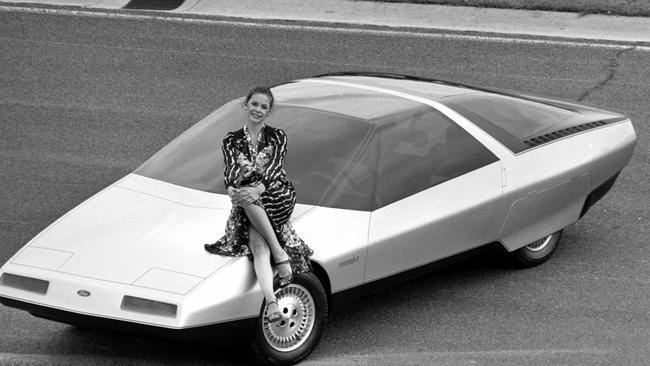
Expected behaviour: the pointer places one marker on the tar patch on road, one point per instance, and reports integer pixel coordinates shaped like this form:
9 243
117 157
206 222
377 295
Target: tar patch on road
154 4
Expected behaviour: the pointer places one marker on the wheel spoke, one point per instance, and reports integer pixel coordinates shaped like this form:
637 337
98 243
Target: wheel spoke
298 315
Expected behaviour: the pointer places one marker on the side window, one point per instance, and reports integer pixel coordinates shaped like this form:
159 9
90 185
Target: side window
420 150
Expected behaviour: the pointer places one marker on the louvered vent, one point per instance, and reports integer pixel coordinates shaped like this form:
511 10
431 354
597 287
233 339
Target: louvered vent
538 140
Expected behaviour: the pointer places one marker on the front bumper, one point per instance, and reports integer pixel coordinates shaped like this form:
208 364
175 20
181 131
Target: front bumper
231 331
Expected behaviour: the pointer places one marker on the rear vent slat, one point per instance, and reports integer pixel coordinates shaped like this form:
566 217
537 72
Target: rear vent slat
548 137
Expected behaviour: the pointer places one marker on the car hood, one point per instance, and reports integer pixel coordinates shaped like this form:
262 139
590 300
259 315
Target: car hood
139 231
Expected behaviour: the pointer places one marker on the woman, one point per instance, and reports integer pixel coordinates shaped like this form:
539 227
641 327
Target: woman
263 200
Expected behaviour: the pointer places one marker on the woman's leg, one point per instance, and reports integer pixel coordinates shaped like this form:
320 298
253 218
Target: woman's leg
262 265
260 221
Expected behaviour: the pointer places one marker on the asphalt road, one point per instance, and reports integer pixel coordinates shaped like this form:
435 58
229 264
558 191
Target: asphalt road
84 100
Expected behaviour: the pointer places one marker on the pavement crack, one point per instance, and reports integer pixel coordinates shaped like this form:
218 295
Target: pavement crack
611 68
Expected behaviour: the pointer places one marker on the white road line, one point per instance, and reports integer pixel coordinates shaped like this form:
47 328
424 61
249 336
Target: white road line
332 29
35 359
456 358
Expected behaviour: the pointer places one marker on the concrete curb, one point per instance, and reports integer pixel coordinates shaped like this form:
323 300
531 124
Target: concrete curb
453 18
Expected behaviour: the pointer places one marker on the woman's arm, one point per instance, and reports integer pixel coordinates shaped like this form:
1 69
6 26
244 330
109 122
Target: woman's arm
239 196
274 168
230 161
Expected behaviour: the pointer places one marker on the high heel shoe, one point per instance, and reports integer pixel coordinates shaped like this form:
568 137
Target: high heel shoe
275 316
286 280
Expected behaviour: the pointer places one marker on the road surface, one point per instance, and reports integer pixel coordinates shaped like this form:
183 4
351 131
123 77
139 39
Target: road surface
86 99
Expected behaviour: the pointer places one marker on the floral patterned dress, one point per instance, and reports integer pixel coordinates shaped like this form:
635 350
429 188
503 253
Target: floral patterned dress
248 164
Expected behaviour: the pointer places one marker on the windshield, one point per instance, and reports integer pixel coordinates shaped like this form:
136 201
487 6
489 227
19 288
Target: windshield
333 160
322 161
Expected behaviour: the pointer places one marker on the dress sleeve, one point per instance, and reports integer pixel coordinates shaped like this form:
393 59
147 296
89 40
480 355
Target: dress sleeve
274 169
230 160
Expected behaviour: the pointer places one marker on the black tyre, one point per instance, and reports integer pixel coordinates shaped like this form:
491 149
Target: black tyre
536 252
304 307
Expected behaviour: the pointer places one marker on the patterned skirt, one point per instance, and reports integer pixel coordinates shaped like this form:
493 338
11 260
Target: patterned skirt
278 202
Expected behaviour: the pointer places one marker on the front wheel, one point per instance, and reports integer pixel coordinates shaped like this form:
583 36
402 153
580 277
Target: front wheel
303 305
536 252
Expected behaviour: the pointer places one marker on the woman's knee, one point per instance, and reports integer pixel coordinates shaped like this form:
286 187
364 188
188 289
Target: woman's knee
254 212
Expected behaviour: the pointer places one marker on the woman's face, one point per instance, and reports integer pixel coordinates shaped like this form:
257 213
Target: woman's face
258 108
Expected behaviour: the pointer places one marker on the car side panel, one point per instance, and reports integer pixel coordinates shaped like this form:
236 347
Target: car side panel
541 211
339 239
546 187
612 148
447 219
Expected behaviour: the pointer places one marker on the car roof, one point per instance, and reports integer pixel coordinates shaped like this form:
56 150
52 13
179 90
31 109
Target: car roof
366 95
439 90
517 120
362 96
429 88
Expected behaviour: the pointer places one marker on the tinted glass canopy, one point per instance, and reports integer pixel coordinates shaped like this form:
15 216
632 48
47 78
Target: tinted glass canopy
519 121
513 121
348 148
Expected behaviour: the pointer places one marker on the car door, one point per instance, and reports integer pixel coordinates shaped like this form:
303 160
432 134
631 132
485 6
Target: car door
437 194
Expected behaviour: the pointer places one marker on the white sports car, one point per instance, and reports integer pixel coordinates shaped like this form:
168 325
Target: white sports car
395 175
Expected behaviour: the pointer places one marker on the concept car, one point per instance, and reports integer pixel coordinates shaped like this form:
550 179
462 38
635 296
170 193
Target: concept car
394 175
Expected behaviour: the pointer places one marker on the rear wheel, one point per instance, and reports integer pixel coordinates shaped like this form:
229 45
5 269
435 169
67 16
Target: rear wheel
536 252
304 308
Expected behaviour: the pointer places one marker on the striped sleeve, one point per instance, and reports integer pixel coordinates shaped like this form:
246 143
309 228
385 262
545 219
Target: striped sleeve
274 169
230 160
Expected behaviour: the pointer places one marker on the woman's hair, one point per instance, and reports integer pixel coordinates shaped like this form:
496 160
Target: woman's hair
261 90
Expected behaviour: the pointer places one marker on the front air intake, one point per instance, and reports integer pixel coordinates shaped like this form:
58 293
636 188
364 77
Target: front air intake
146 306
24 283
539 140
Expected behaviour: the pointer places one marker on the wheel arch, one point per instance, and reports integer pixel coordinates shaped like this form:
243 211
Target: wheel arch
324 279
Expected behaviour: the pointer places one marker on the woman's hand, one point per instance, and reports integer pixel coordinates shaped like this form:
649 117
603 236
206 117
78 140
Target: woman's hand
244 196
